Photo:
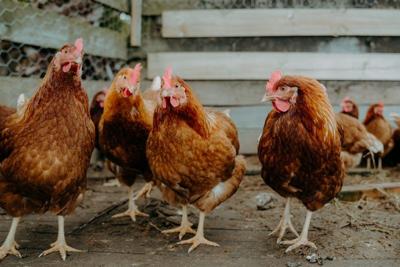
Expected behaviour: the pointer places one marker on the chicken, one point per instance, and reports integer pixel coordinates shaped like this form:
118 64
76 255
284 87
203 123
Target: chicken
123 130
300 149
377 125
96 110
45 151
193 153
355 140
349 107
5 112
393 157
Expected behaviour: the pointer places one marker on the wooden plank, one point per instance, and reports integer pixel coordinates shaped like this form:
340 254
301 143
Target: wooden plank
156 7
12 87
136 22
121 5
244 93
259 65
24 24
281 22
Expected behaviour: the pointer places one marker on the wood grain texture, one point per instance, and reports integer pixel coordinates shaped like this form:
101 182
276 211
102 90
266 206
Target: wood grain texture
51 30
136 22
280 22
259 65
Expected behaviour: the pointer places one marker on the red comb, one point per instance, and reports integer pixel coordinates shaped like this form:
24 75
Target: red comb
135 74
167 77
79 44
275 77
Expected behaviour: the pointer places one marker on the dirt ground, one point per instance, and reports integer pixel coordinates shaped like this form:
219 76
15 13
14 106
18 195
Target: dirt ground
361 233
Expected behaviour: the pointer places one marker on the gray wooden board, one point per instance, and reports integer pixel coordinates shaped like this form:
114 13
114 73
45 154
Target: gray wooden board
121 5
280 22
52 30
259 65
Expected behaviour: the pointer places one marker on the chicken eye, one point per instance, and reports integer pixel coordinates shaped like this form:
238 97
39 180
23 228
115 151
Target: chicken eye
124 77
65 51
176 86
281 89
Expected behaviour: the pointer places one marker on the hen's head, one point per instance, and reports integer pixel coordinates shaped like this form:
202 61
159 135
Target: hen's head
379 108
174 91
283 95
347 105
127 81
69 58
100 96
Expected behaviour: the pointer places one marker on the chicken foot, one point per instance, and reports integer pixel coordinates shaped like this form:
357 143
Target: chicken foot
60 245
144 191
184 228
10 246
199 237
302 240
284 223
133 210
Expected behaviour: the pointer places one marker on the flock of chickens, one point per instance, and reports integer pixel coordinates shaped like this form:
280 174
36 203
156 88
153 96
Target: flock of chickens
166 136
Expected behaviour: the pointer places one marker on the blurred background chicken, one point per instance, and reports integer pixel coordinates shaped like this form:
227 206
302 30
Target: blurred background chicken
45 150
355 140
300 149
392 158
349 107
193 153
123 130
377 125
96 110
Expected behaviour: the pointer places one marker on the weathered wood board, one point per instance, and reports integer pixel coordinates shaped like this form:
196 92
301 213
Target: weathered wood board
280 22
136 22
51 30
259 65
121 5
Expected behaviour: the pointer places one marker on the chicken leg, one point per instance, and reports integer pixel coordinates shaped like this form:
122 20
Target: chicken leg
199 237
284 223
133 210
10 246
184 228
302 240
60 245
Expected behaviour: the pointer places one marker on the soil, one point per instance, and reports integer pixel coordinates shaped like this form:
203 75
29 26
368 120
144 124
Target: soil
361 233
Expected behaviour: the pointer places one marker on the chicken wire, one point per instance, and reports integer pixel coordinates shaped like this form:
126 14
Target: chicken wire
25 60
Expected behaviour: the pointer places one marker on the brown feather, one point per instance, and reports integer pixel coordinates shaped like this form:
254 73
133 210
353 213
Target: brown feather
191 151
48 148
300 149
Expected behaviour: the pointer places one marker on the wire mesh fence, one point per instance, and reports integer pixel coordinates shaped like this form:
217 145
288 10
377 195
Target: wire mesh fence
23 51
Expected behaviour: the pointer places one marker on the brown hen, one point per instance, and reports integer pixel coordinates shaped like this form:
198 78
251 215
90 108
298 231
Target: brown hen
300 149
124 127
45 150
377 125
193 153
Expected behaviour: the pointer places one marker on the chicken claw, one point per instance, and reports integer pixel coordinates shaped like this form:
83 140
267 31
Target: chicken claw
196 241
298 242
184 228
9 246
145 191
61 247
9 250
302 240
199 237
284 223
132 212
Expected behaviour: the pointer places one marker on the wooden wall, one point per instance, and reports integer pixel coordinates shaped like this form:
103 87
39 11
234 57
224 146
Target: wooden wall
227 49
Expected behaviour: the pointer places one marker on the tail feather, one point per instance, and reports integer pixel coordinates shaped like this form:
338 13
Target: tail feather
223 190
156 84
